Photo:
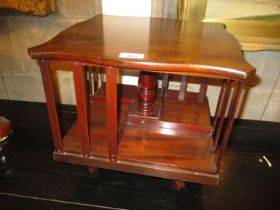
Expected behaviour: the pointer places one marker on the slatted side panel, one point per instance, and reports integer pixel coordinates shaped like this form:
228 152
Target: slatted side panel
224 116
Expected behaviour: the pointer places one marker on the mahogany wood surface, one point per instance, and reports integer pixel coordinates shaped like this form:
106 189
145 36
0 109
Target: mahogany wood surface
179 185
183 114
201 49
232 111
161 151
152 131
112 122
82 106
51 103
147 90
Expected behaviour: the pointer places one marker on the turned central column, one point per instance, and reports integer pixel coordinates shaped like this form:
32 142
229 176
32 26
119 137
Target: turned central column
147 87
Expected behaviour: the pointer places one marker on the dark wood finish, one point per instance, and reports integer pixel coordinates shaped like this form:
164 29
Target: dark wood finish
111 98
219 103
224 107
133 167
179 115
179 185
48 87
92 169
146 148
164 86
147 89
152 132
82 107
168 45
232 111
203 90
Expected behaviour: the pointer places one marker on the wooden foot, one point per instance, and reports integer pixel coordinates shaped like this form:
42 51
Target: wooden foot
179 184
92 169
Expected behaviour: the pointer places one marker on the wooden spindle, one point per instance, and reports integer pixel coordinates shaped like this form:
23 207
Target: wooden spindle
51 104
111 99
183 87
203 90
231 115
147 87
223 112
164 86
82 106
218 107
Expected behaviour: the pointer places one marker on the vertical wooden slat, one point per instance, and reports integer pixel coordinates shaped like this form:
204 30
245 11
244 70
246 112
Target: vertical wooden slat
88 71
51 104
183 86
82 106
111 98
102 80
231 115
223 112
203 89
164 86
92 90
219 103
95 79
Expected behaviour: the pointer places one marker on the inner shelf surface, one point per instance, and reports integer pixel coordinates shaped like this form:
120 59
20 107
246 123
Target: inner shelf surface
155 147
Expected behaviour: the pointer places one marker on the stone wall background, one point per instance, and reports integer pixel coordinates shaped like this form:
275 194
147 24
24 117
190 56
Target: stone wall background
20 77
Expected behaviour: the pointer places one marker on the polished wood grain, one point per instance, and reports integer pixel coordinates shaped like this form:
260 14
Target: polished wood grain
82 106
112 123
148 149
145 129
51 103
222 114
147 90
232 110
186 114
203 90
200 49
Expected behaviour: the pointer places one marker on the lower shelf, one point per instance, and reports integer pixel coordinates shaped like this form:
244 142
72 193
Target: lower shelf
175 154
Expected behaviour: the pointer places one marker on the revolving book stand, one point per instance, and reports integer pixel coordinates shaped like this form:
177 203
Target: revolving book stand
147 129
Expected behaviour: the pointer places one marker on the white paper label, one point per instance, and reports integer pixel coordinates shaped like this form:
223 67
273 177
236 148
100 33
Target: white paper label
131 55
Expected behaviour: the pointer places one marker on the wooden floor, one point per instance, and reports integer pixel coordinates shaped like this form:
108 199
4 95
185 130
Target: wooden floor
29 178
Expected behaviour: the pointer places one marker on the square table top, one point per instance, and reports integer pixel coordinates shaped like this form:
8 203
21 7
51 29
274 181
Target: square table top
163 45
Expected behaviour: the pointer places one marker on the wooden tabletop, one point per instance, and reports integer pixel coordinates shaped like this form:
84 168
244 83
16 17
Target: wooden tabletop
182 47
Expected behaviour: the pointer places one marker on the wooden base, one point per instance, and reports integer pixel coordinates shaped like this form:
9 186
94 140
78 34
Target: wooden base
92 169
187 114
182 155
179 144
179 185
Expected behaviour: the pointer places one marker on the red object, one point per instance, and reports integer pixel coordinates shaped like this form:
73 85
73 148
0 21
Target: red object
5 128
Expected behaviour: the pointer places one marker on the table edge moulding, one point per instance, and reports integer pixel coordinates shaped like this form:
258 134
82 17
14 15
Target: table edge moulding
147 129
